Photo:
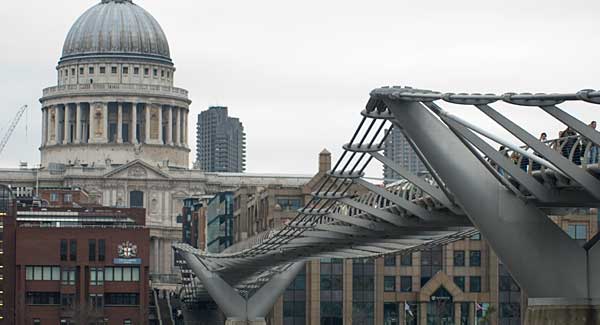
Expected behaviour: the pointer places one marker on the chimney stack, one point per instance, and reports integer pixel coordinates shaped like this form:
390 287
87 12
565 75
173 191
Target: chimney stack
324 161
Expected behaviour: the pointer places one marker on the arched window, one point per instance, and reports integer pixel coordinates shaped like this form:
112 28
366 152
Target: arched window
136 199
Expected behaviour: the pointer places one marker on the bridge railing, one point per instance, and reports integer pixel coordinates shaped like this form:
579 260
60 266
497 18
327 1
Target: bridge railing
576 148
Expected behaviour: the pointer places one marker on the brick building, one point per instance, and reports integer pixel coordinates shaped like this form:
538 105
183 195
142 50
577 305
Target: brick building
80 265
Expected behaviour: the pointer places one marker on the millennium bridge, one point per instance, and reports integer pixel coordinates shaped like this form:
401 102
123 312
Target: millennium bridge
506 194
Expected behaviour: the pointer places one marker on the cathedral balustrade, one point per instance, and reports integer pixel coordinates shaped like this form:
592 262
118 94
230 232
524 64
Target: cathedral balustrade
115 88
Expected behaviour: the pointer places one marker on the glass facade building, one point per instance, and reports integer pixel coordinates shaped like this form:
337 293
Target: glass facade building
219 222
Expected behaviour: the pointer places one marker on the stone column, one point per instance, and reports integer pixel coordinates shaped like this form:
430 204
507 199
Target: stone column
66 125
160 126
105 122
156 256
78 126
92 124
44 126
185 127
170 125
147 123
119 122
133 127
56 124
177 126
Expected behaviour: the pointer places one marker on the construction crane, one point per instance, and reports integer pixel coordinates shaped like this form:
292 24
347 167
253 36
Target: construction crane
11 127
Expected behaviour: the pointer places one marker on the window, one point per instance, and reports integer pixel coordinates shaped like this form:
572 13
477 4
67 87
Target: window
431 263
125 70
136 199
119 274
332 271
475 258
168 74
73 71
294 301
102 70
68 198
92 250
63 249
146 71
406 259
389 260
162 73
54 197
136 70
42 273
80 70
96 276
475 284
101 250
405 283
465 312
73 250
363 291
289 204
67 299
96 301
460 282
459 258
43 298
389 283
155 72
91 70
113 70
122 299
68 276
577 231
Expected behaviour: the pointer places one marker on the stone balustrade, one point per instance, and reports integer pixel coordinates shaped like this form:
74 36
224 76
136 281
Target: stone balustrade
115 89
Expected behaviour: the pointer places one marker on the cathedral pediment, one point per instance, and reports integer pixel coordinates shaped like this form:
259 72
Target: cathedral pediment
137 170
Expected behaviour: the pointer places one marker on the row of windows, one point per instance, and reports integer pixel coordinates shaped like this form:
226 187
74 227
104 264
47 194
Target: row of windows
42 273
114 274
474 283
114 70
68 276
68 250
405 260
389 283
474 258
96 300
67 197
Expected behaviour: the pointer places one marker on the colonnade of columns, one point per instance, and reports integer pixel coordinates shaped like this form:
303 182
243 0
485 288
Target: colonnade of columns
115 122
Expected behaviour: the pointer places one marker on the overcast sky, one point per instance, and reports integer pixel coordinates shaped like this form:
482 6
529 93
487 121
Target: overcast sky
297 73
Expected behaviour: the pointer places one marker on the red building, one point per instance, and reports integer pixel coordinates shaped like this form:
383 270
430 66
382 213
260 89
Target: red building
80 265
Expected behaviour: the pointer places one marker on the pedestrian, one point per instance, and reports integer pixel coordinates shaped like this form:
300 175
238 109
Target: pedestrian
593 159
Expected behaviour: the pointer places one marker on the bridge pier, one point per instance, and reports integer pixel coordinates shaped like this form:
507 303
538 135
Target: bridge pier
560 277
241 310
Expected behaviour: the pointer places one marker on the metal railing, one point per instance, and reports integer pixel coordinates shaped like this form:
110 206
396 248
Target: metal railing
576 148
165 278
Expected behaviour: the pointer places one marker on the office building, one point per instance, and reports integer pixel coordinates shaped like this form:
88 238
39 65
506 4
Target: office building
219 222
